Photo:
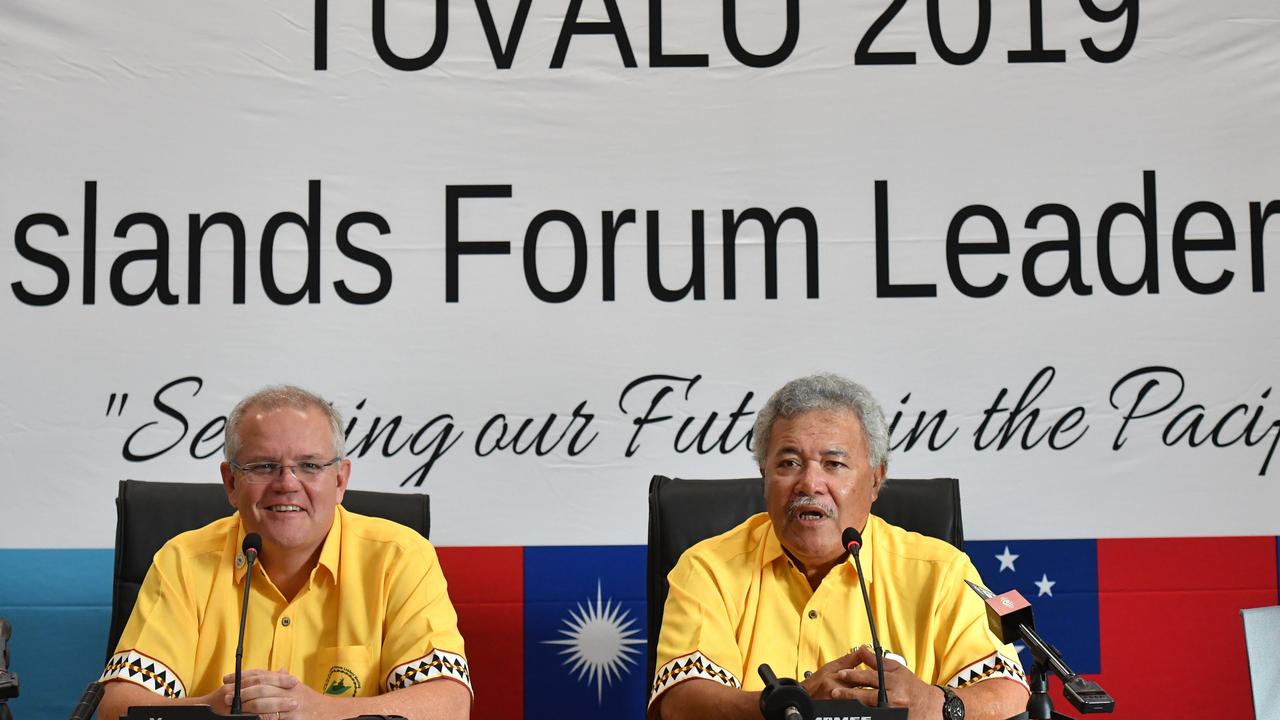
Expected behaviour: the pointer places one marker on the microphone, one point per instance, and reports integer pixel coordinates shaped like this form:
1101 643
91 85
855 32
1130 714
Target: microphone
852 540
1010 619
252 548
88 702
1007 613
783 699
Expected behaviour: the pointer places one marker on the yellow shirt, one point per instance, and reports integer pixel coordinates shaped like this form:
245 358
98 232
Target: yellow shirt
375 615
737 601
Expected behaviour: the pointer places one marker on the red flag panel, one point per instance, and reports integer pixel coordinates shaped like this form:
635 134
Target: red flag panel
486 585
1169 619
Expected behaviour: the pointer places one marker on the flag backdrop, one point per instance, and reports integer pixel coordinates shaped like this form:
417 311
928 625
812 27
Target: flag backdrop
539 252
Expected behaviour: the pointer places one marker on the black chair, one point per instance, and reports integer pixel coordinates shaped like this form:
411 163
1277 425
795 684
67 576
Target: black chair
684 512
148 514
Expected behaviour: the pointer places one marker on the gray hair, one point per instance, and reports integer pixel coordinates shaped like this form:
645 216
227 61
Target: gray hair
278 396
824 392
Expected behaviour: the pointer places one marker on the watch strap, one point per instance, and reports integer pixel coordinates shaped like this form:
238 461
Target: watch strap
952 705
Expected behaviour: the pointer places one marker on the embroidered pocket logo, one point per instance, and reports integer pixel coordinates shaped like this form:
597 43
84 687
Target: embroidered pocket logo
341 681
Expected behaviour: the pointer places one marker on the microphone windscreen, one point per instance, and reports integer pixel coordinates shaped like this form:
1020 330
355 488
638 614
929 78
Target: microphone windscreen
252 543
1005 612
852 539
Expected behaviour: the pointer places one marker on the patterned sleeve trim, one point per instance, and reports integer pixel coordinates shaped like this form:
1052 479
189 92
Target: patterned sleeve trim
992 666
141 670
436 664
687 667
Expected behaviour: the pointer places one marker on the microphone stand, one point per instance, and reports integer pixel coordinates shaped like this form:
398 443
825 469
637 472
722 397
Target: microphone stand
244 610
783 699
852 540
1010 619
251 547
882 697
88 702
1087 696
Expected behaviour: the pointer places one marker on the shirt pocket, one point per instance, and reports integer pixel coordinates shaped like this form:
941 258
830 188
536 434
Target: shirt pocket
345 671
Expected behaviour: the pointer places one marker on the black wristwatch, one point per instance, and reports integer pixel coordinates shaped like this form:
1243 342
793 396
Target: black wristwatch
952 705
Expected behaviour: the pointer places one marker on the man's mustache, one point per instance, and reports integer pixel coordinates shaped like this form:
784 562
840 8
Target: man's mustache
804 501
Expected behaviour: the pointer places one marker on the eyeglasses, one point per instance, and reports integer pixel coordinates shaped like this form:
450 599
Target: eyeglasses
262 472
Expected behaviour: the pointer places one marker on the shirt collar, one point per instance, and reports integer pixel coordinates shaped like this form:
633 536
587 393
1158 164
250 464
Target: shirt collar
331 552
772 547
866 556
238 559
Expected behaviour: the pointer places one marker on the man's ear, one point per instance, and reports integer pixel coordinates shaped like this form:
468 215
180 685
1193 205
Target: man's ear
228 482
344 476
877 480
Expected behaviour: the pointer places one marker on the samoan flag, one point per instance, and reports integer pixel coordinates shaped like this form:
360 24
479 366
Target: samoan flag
1147 618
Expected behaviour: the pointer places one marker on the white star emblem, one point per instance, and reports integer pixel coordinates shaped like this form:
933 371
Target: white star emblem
1006 559
599 642
1045 585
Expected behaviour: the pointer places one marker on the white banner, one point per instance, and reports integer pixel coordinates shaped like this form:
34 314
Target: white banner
537 253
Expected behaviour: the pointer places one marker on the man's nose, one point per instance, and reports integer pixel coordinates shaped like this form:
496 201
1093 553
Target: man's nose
286 478
810 478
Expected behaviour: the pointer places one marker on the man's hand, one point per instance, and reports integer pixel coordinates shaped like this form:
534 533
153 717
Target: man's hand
118 696
216 701
281 696
903 688
275 696
826 680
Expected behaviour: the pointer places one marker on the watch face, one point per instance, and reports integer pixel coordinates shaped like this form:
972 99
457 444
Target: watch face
952 707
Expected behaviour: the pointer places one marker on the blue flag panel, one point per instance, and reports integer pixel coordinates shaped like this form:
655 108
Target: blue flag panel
585 631
1060 579
59 604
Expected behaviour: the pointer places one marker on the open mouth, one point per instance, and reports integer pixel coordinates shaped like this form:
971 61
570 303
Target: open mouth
284 509
809 510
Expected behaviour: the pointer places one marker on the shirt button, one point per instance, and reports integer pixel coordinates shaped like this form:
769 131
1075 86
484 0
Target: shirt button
807 674
813 614
284 621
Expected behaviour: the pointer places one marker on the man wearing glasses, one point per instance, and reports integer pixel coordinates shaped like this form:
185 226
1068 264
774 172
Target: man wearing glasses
348 615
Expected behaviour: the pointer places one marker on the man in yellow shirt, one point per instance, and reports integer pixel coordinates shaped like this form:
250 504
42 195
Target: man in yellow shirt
348 615
781 589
